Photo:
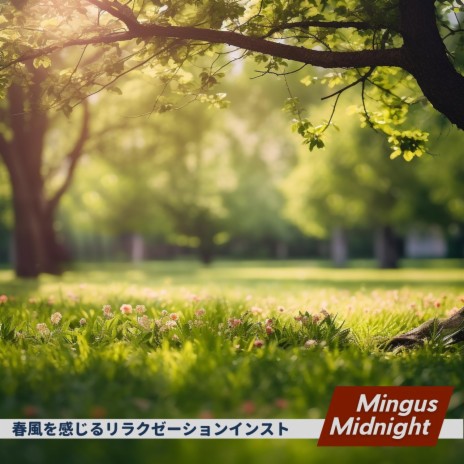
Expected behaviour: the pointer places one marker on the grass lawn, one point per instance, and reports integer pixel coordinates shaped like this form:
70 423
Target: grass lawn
253 339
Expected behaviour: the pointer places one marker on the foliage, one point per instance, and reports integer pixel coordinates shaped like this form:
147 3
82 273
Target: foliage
364 46
353 183
190 176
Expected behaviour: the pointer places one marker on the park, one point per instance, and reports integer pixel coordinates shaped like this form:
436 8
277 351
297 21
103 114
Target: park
225 209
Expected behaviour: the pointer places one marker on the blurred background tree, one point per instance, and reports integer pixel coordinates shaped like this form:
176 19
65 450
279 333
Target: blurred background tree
26 123
238 183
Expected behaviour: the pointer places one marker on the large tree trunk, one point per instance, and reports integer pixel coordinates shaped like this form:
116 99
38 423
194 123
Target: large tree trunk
35 242
386 248
206 250
137 248
426 58
36 246
338 247
281 250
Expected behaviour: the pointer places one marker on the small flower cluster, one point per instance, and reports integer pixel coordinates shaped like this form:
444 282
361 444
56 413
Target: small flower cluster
145 322
55 318
268 326
233 322
125 309
307 318
107 311
43 330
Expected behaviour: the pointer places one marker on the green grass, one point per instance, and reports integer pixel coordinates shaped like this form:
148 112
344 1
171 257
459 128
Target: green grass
209 365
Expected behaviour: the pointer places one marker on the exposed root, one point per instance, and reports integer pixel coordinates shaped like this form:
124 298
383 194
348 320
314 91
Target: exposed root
452 328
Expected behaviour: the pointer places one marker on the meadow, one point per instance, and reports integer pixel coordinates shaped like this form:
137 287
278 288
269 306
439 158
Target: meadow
249 339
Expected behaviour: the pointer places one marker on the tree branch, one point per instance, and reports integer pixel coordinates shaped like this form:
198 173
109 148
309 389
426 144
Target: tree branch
116 9
360 25
324 59
352 84
72 158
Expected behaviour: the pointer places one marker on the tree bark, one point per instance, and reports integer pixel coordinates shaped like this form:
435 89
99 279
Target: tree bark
338 247
206 249
426 58
386 249
35 241
37 248
281 250
137 248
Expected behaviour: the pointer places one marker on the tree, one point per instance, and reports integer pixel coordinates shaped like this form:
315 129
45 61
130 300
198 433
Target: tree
192 177
354 185
441 176
395 51
5 215
22 142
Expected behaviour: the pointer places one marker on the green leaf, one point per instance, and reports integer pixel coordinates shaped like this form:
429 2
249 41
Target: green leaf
42 61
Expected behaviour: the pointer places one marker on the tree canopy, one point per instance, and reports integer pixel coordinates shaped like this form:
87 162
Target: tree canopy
400 53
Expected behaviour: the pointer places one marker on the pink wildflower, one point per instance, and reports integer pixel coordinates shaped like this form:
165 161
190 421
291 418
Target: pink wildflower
126 309
55 318
248 407
43 329
144 322
310 343
281 403
107 310
193 297
256 310
98 412
140 309
3 299
234 323
324 313
258 343
30 411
